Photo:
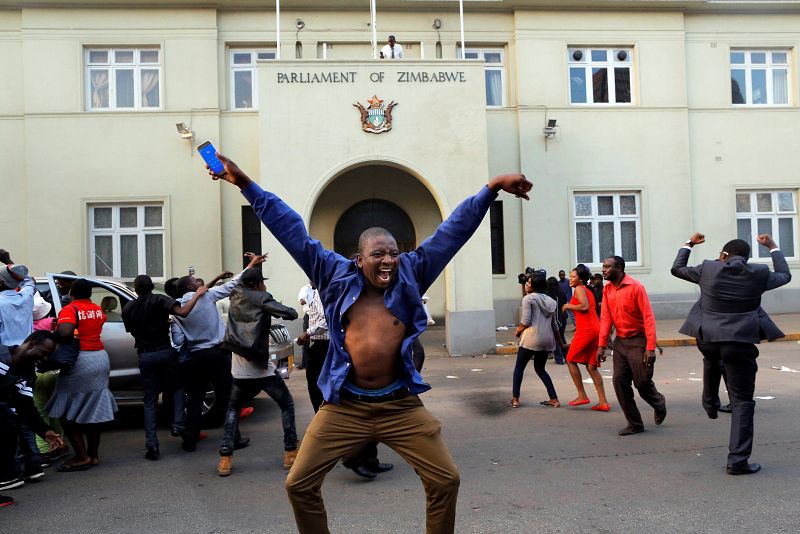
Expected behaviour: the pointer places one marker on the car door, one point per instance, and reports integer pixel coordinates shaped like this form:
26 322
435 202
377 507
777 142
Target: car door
124 381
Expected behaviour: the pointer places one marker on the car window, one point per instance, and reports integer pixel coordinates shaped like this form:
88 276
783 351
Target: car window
109 302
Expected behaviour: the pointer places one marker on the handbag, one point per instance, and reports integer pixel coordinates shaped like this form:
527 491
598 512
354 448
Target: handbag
65 355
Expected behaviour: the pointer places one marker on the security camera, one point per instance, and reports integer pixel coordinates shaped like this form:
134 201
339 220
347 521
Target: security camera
299 24
184 131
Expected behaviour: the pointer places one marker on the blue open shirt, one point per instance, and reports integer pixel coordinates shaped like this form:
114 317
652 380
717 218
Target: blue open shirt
340 281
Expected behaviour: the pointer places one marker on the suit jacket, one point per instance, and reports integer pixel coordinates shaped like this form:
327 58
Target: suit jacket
729 308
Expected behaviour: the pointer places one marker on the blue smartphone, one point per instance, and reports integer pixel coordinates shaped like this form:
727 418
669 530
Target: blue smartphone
209 154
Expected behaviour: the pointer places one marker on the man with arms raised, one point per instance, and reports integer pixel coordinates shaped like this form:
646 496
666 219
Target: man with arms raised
727 321
369 383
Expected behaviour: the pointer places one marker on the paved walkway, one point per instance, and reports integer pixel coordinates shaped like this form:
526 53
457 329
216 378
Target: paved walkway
668 336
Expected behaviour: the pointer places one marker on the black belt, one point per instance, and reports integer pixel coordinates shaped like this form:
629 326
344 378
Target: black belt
157 349
397 394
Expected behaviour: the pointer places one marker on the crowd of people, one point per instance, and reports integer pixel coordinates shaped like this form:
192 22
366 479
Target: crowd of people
363 319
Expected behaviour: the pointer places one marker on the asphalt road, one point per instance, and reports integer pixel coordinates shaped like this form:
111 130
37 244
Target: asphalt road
531 469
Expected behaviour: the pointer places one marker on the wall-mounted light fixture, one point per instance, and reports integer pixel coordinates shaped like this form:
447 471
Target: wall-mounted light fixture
551 129
185 131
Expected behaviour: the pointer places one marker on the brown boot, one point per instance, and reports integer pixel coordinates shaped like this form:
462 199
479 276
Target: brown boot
288 458
225 465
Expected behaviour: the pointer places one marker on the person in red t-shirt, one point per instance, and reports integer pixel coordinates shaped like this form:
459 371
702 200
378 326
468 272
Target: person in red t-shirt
81 398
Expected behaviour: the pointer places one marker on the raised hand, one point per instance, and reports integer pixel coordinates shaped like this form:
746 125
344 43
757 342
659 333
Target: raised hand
233 173
256 259
767 241
514 183
697 238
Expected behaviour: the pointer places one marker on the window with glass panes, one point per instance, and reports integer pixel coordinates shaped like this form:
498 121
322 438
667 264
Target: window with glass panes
607 224
126 240
493 72
767 212
244 76
123 78
600 75
760 77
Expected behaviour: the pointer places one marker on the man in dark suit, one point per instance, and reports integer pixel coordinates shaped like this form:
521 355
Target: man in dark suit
727 321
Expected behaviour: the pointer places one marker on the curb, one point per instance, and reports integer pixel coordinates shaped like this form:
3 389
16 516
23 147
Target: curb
669 342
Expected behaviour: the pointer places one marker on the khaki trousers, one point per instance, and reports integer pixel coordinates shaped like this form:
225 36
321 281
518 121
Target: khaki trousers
405 425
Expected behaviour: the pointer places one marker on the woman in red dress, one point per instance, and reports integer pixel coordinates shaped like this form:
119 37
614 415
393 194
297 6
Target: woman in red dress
583 348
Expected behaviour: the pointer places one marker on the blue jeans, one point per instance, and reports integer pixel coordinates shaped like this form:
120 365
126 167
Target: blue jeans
243 391
159 372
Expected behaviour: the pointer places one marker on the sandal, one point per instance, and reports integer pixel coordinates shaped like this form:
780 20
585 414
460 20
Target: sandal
579 402
514 402
68 468
552 403
601 407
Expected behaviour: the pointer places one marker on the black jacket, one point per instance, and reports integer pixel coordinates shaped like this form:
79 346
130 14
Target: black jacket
729 308
249 322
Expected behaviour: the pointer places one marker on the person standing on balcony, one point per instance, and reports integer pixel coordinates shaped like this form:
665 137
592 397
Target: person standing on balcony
392 50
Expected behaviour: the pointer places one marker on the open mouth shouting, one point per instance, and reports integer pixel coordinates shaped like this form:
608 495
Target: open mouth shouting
379 259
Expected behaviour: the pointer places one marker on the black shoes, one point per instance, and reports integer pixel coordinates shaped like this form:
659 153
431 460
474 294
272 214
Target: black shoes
379 467
660 416
725 409
19 481
152 453
189 445
241 444
630 430
33 473
743 468
362 472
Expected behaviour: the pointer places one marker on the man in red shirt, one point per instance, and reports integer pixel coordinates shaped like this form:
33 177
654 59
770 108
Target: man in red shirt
626 307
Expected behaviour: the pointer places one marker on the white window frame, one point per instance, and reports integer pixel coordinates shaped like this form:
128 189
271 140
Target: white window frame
616 218
612 62
111 66
499 67
769 66
251 67
116 232
753 215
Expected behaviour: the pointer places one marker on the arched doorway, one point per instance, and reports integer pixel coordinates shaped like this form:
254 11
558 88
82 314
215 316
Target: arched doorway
369 213
377 195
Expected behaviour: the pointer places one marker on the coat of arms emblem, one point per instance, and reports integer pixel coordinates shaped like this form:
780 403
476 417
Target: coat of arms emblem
376 118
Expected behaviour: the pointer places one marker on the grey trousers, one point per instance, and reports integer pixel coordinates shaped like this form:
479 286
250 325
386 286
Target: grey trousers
630 369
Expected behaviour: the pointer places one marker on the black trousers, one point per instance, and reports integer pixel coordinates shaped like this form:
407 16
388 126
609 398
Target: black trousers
304 350
739 363
205 366
9 431
316 358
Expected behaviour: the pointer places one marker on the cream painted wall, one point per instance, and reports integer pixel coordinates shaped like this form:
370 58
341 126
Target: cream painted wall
667 144
446 149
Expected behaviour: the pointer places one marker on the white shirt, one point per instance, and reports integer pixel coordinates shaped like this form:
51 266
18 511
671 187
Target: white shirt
387 52
244 369
307 294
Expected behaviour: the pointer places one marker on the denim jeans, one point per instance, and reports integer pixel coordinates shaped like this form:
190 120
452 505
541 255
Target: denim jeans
28 447
539 360
242 392
159 372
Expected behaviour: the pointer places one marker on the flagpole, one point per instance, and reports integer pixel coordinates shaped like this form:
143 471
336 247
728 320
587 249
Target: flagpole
277 29
461 16
374 29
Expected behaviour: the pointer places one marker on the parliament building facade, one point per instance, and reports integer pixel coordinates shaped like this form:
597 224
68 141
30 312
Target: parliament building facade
638 122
